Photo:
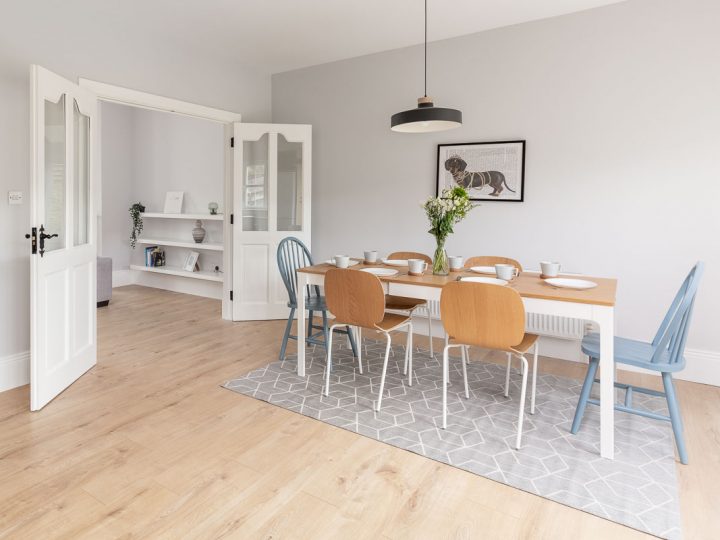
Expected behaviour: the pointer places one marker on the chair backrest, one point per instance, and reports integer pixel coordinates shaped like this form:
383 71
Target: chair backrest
490 316
491 260
292 254
354 297
669 341
409 255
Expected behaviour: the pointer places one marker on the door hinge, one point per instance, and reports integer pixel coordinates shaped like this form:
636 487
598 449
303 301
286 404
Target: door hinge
231 296
232 219
232 142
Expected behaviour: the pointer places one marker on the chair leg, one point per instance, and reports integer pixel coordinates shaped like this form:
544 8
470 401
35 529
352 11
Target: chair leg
310 321
523 391
329 361
409 352
384 370
360 346
353 344
465 354
444 386
507 376
283 347
584 394
325 328
534 379
430 337
675 418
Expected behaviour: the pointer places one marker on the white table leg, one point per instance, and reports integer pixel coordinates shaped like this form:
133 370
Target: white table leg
301 288
605 321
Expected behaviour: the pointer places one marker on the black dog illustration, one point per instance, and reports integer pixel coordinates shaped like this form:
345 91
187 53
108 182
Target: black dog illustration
476 180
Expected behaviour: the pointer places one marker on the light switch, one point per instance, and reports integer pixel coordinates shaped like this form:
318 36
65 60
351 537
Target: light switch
15 197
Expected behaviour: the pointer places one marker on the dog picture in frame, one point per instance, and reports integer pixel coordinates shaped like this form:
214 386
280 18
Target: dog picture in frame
489 171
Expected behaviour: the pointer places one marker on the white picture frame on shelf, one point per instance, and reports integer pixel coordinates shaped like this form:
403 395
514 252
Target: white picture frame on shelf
191 261
173 202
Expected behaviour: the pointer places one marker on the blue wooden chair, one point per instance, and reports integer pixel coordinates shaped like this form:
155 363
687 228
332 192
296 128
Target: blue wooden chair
292 254
663 355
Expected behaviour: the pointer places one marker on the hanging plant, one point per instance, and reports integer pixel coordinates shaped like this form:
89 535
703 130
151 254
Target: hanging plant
137 223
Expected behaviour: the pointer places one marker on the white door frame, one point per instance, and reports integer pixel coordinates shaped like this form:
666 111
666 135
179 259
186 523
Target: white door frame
144 100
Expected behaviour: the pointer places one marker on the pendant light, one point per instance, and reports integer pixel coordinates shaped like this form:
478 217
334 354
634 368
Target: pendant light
427 117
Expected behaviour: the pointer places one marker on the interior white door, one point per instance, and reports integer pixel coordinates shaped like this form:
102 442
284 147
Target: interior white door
272 188
64 248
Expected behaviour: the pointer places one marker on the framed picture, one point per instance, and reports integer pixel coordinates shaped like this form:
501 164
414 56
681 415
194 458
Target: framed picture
173 202
191 262
489 171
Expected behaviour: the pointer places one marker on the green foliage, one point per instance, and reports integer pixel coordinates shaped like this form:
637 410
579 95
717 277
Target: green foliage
137 222
445 211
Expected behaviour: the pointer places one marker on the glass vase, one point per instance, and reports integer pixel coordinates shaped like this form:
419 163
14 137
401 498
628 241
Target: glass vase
440 266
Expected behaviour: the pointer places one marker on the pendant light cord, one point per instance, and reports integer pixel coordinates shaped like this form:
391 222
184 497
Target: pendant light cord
425 48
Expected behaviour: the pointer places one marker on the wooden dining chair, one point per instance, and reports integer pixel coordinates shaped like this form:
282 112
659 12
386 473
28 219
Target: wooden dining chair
356 298
491 260
292 254
403 303
488 316
663 355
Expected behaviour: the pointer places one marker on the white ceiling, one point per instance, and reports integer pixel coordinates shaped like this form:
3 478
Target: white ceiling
278 35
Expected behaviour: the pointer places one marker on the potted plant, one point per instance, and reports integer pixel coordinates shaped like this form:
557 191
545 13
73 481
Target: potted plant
444 211
136 211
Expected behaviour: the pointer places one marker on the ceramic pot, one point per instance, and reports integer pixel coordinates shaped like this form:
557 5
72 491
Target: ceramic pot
198 233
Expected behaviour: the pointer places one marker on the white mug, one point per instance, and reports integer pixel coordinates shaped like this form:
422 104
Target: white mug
506 271
342 261
550 269
371 256
416 267
455 261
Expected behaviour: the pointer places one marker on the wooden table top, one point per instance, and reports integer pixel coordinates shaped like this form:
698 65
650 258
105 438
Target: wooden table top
528 284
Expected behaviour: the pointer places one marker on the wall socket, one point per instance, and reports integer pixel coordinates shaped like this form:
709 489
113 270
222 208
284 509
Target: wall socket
15 197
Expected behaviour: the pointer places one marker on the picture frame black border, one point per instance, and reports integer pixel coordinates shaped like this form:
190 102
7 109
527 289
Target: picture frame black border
523 142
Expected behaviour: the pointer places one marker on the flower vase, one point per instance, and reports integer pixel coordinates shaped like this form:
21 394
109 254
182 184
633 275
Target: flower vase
198 233
440 266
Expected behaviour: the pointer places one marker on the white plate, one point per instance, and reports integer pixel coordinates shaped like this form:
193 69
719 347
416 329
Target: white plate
490 280
383 272
566 283
395 262
351 263
483 269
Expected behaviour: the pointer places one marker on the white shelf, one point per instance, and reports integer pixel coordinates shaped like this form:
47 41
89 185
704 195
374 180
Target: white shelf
206 217
177 243
176 271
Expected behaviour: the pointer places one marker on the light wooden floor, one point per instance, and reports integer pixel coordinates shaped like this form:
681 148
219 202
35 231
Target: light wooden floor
148 445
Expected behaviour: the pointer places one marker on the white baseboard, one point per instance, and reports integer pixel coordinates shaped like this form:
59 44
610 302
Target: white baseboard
14 370
127 276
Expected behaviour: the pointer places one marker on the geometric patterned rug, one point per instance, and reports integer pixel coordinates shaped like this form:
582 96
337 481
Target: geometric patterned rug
638 488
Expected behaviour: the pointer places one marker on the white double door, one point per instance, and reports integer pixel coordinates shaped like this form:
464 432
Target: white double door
272 190
63 236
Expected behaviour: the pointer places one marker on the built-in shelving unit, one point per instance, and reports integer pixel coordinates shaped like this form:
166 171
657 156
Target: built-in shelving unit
207 217
175 271
178 243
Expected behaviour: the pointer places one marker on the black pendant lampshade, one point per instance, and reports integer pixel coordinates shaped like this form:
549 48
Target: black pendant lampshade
426 118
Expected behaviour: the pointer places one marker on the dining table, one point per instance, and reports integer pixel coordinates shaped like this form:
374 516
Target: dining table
595 305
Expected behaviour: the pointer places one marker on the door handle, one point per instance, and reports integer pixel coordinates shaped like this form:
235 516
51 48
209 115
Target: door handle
33 237
44 236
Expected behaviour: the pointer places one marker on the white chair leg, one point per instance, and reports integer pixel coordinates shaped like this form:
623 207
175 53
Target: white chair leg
384 370
534 379
409 352
522 401
507 376
328 366
444 386
465 354
430 337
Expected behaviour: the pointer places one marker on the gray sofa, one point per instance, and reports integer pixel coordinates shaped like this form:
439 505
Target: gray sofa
104 281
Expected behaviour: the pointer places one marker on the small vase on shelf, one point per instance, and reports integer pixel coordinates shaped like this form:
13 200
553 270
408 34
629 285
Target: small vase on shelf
441 265
198 233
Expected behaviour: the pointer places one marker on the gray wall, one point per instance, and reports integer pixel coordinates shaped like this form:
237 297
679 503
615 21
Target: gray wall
619 107
27 36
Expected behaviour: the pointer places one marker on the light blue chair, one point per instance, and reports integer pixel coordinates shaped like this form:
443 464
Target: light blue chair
664 355
292 254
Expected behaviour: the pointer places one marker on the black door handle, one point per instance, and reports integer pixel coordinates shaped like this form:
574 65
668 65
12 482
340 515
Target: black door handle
33 235
43 237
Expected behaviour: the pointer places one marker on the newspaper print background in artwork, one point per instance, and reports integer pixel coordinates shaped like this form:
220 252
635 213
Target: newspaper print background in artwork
492 171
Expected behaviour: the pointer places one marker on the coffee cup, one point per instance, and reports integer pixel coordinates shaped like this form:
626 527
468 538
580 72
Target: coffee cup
455 262
550 269
506 271
342 261
371 256
416 267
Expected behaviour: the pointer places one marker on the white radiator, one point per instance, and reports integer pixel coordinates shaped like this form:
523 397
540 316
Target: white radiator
543 325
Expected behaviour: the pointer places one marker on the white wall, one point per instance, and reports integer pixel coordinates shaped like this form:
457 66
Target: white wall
619 107
33 33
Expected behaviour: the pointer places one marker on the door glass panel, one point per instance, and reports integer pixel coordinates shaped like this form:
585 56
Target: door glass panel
255 185
289 185
81 191
54 221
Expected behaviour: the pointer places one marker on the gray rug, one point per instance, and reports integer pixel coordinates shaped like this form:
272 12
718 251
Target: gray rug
638 489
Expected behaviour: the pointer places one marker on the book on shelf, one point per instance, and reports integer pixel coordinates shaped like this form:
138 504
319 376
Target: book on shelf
154 256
